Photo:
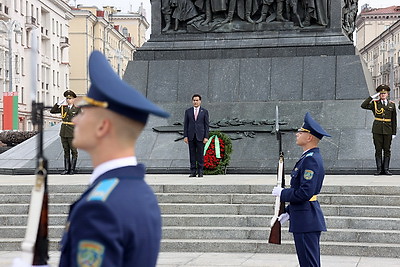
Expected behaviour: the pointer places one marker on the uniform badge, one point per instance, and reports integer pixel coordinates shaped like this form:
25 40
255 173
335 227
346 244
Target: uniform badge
308 174
90 253
103 190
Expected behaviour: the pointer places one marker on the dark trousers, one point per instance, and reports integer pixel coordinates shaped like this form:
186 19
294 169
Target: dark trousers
382 142
307 248
196 154
68 148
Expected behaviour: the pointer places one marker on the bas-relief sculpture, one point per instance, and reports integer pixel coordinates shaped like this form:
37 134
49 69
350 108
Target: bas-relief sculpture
180 16
349 14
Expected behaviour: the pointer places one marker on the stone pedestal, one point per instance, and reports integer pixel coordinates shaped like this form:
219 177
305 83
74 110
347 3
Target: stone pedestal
243 75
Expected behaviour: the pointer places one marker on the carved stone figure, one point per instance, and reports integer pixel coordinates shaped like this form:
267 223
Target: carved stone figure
183 10
291 5
244 9
349 11
210 7
166 12
317 10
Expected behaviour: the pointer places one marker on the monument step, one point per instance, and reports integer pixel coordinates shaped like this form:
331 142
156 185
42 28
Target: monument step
218 220
263 209
262 246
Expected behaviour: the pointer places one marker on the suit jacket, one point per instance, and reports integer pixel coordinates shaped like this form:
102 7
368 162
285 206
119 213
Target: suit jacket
200 127
116 222
67 114
307 178
381 113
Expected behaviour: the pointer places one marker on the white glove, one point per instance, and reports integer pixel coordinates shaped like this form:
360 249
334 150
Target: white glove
61 102
18 262
277 191
284 217
393 136
375 96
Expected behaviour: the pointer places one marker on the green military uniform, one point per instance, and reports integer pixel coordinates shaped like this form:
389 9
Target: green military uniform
67 132
383 128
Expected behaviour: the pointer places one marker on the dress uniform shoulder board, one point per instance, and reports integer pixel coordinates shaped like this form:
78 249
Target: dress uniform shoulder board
103 189
310 154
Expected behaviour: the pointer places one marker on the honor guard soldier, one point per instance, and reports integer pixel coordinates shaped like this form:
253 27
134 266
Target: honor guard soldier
305 214
384 127
117 221
68 111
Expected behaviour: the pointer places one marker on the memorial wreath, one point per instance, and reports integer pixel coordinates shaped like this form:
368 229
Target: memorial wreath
217 153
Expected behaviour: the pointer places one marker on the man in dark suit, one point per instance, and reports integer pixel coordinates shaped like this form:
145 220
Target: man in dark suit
306 217
195 132
68 111
384 126
117 221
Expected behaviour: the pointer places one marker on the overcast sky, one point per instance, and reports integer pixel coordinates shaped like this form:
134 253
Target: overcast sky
133 5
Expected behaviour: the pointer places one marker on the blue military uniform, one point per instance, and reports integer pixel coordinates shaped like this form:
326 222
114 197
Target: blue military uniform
306 217
117 221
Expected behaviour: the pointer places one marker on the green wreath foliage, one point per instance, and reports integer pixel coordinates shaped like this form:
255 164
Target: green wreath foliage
225 154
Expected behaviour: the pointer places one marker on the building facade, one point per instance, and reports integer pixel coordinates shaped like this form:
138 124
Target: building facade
33 57
134 25
378 41
93 29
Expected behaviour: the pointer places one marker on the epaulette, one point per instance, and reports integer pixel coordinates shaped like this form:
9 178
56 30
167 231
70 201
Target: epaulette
103 190
310 154
390 101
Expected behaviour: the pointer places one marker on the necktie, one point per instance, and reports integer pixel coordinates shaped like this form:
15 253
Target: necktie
196 112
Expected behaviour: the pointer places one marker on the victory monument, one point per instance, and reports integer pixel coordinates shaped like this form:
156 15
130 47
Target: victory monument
245 58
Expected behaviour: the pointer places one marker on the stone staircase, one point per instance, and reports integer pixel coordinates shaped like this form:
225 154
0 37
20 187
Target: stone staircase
361 220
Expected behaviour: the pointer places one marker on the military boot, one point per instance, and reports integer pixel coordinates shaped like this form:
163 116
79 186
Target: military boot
67 166
386 161
378 161
73 166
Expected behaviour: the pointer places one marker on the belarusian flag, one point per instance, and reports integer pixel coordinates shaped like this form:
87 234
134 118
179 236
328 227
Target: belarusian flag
10 111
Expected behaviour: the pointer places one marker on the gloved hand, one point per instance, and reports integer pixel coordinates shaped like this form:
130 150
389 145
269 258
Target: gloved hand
393 136
277 191
61 102
375 96
284 217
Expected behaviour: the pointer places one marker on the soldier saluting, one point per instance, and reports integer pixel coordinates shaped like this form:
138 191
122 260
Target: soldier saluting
68 111
384 126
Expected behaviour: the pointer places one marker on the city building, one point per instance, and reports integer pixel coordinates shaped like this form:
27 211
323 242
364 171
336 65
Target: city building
93 29
133 24
378 41
34 58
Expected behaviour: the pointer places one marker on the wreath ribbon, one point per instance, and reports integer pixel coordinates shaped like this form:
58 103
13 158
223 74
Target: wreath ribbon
217 148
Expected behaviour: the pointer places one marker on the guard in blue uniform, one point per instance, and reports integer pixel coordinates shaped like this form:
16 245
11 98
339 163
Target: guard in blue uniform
117 221
305 214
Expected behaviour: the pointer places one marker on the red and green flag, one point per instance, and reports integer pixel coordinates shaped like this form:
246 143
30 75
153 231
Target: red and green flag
10 111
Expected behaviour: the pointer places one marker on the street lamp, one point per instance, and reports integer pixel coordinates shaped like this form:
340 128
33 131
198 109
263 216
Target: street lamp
11 26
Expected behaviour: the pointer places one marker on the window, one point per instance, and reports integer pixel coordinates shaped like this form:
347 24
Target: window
22 66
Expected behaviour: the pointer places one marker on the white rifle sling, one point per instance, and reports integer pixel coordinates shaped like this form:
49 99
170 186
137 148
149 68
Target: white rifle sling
35 209
278 198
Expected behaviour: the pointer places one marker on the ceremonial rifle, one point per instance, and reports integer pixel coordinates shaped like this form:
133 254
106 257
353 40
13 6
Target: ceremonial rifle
275 233
35 244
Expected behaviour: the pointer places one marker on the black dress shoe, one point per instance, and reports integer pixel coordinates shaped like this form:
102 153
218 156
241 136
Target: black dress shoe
200 175
192 175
